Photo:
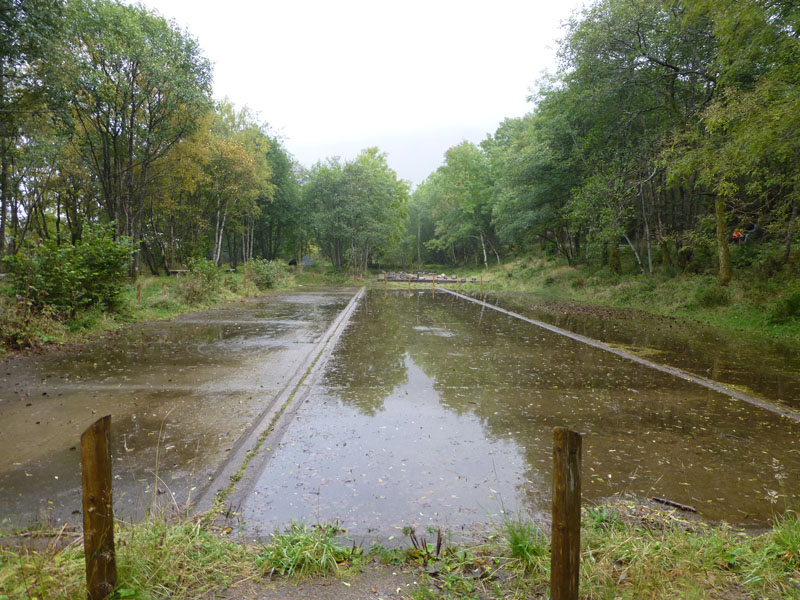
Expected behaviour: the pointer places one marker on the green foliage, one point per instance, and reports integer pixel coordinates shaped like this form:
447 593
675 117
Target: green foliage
20 327
301 552
67 277
458 196
601 517
710 296
526 543
266 274
357 209
114 54
201 284
787 308
629 551
785 538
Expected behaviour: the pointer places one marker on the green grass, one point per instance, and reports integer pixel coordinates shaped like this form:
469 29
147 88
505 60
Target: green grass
762 305
628 551
158 558
303 551
527 544
161 298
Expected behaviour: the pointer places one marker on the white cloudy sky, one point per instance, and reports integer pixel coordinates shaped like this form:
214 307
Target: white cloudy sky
412 77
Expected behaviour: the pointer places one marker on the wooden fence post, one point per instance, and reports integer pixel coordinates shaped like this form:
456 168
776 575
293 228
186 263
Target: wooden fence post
163 290
565 543
98 512
139 293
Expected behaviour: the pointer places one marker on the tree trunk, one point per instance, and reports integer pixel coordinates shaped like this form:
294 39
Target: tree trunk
790 233
635 253
5 138
724 252
219 231
419 230
485 259
646 233
614 266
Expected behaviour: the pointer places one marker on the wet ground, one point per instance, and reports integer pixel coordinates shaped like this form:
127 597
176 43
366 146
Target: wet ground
180 393
768 368
435 411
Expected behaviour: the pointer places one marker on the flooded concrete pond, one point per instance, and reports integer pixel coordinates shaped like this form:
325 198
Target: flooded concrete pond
180 393
438 412
767 368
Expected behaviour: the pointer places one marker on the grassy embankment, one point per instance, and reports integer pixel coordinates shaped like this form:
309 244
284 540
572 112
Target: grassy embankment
161 298
763 299
628 551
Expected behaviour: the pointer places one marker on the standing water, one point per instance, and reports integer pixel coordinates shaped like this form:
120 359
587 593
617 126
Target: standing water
436 411
180 393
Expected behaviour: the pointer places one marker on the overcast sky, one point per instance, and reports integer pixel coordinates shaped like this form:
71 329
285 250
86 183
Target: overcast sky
410 77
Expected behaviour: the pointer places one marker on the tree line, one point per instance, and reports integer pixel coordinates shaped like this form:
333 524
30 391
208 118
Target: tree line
106 117
669 124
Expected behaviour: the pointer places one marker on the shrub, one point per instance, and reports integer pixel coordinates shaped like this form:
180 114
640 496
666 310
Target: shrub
787 308
201 283
67 277
20 327
698 259
264 273
710 296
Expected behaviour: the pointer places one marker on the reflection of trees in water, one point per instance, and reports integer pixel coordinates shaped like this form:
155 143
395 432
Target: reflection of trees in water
485 364
370 360
520 382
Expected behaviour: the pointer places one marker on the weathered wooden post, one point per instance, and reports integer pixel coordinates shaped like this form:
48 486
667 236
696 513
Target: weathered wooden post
163 289
138 293
385 281
409 282
565 543
312 277
98 512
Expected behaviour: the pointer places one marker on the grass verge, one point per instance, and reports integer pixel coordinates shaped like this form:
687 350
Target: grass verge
755 303
629 550
147 299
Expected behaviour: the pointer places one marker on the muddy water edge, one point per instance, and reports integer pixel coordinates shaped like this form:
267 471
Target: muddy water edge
180 393
434 411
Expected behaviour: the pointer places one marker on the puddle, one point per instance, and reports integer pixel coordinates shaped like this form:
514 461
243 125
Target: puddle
409 426
768 368
180 394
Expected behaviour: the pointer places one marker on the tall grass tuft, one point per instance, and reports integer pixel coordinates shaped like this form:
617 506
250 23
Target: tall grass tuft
301 551
527 544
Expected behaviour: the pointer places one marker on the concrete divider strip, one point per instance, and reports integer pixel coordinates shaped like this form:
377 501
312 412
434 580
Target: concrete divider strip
242 466
727 390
